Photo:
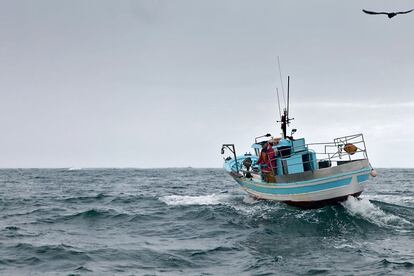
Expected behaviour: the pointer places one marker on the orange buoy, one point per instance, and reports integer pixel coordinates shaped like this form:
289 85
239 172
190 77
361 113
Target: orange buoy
350 148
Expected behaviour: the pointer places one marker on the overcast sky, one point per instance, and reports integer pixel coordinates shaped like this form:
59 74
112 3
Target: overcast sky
165 83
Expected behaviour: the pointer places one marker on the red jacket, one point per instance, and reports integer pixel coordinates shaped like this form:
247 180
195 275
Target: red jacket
267 157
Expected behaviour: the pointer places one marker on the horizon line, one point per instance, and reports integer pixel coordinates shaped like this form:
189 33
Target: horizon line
138 168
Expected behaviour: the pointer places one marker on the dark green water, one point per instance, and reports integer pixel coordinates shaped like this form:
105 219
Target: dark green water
195 222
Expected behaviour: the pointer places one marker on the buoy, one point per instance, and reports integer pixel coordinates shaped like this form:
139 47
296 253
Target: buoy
373 173
350 148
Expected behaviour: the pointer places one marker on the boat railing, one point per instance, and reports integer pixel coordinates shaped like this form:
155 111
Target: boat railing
337 151
334 153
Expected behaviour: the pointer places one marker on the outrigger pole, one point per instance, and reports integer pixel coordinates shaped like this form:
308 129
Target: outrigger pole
232 148
278 102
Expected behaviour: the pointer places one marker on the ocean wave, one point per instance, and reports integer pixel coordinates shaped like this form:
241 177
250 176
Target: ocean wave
243 205
394 199
110 215
37 211
258 209
74 169
12 228
317 271
214 250
30 254
133 198
212 199
405 264
91 198
83 269
232 205
364 208
96 214
11 232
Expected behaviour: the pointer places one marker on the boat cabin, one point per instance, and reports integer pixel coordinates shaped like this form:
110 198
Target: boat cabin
290 156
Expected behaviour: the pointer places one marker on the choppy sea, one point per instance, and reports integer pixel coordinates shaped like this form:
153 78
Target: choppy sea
195 222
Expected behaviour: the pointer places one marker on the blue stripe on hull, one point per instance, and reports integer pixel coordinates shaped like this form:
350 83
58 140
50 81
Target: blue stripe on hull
326 178
298 190
362 178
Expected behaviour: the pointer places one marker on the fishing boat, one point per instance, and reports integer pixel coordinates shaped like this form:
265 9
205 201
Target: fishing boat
289 170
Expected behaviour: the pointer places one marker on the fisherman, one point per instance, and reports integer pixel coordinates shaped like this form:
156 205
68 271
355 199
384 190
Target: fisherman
271 156
267 162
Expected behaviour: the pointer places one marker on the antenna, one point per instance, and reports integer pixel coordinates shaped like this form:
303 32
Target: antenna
288 97
284 119
278 102
281 81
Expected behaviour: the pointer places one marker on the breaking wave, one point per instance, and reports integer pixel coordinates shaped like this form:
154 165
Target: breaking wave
366 209
211 199
74 169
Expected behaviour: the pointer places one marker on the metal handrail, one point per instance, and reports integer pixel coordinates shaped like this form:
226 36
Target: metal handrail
339 143
331 156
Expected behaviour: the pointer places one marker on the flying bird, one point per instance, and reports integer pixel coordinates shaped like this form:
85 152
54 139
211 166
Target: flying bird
389 14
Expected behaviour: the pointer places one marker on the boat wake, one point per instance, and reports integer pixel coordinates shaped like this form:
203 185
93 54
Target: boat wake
243 205
366 209
404 200
247 205
212 199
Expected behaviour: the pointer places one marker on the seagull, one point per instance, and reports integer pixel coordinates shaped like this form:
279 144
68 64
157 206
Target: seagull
389 14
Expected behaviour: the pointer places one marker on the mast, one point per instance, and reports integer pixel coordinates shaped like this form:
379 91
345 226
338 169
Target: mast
285 120
284 123
288 97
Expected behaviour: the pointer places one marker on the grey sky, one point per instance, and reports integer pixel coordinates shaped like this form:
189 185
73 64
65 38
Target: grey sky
165 83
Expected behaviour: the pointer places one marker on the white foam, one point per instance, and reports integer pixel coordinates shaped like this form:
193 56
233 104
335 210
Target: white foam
243 204
343 245
251 207
364 208
211 199
74 169
250 200
393 199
